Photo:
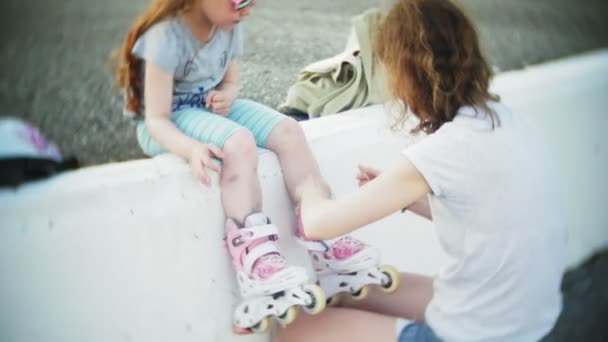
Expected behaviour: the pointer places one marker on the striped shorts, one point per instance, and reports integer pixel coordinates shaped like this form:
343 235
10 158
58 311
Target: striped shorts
210 128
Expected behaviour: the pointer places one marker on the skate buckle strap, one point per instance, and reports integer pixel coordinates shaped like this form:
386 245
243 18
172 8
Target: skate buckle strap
332 242
254 233
318 245
313 245
257 252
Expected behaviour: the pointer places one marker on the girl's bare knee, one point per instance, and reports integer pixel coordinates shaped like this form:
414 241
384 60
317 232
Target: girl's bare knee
287 135
240 146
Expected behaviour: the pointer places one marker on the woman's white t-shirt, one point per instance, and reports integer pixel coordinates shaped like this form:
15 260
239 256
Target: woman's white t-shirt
497 214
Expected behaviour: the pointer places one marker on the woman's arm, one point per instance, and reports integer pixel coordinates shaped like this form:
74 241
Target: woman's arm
396 188
421 207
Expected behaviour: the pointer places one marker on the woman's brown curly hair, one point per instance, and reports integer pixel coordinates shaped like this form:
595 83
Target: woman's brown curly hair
128 67
430 49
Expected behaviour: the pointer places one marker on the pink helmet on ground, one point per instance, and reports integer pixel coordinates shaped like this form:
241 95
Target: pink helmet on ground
25 154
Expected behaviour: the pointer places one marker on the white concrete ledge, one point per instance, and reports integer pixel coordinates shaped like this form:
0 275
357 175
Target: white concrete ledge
134 251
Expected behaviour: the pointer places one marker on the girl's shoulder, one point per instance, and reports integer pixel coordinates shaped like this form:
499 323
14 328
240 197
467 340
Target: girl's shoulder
169 34
167 27
161 44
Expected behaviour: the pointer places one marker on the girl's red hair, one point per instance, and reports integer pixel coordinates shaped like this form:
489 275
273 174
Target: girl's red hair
127 66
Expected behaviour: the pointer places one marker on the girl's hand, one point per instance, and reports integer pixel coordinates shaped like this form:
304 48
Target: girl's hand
366 174
201 160
220 101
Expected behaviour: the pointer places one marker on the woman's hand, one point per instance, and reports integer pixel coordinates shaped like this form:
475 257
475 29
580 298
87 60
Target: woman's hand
201 159
366 174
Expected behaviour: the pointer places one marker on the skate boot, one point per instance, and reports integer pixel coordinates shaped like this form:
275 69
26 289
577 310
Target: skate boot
269 286
348 265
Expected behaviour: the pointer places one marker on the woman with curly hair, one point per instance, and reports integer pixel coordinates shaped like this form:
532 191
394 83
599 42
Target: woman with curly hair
480 175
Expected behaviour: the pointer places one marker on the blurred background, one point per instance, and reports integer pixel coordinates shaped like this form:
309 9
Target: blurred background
54 68
55 73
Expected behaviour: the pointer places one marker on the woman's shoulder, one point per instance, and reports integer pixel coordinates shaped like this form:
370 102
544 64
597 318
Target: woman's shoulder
486 116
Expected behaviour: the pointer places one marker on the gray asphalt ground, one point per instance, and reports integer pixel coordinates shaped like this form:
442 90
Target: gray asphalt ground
54 67
54 72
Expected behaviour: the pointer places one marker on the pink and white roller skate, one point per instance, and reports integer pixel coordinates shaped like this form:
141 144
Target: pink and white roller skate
348 265
268 285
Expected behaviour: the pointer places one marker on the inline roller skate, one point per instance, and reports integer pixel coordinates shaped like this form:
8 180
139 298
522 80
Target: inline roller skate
348 265
268 285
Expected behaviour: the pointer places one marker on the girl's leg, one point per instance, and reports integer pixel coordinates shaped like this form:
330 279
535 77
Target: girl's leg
262 272
241 194
340 324
284 136
287 140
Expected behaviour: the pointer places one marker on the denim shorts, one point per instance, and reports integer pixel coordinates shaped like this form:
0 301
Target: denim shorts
408 331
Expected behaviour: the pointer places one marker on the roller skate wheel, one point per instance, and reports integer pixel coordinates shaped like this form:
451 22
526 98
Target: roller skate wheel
262 326
334 300
318 299
288 316
392 279
361 294
241 331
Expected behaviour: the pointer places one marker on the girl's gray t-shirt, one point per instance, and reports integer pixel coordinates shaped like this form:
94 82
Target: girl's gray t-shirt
197 67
